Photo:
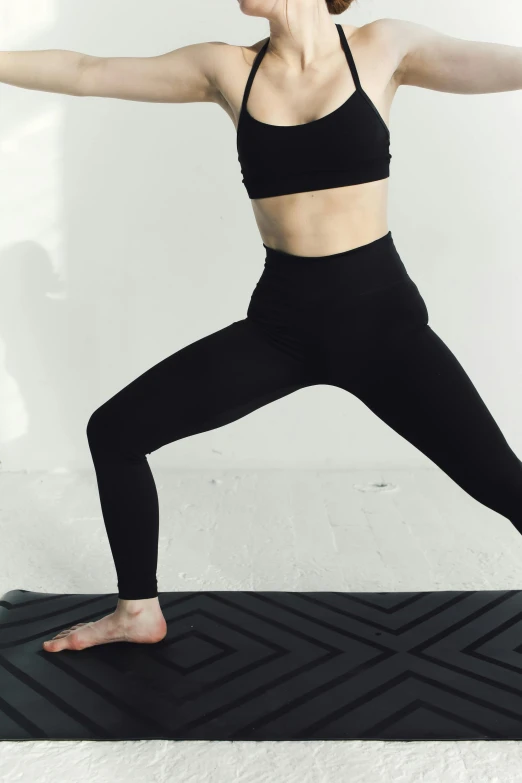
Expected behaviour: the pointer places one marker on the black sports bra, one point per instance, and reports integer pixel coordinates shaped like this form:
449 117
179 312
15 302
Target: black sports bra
346 147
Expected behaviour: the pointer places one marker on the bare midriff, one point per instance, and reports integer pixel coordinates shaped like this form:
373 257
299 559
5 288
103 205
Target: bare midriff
323 222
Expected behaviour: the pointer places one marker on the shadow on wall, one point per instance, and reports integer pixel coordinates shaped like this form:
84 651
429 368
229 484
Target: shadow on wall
39 368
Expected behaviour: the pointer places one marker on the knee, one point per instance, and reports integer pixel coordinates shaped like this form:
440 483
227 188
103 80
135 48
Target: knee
102 429
110 436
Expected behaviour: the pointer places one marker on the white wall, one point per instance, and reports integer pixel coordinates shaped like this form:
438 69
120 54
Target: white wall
125 234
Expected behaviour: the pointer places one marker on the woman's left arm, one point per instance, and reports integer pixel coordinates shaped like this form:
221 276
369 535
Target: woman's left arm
437 61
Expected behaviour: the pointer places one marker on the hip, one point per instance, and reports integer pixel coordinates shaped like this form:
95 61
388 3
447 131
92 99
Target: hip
366 288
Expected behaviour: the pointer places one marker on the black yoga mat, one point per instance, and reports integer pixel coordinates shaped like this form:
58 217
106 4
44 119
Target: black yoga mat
269 666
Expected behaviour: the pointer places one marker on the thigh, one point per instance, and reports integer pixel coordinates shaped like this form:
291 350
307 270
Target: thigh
422 391
207 384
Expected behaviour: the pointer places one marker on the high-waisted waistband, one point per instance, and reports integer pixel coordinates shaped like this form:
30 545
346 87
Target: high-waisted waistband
363 296
359 270
272 252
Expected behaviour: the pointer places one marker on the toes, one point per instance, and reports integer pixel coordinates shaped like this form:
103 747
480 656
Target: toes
68 630
52 644
63 634
55 645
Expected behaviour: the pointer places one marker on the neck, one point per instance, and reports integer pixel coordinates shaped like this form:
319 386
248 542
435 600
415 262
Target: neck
312 38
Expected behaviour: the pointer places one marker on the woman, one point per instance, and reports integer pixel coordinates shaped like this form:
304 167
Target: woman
334 303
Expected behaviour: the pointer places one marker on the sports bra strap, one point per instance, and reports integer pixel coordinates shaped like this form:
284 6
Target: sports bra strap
261 53
253 70
349 56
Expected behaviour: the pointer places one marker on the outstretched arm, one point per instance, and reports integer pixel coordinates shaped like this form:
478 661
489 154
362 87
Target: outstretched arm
428 58
185 75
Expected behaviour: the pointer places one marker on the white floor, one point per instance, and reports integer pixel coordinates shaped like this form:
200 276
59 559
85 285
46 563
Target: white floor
264 530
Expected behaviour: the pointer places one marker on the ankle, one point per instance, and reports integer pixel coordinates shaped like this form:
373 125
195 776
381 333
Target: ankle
137 606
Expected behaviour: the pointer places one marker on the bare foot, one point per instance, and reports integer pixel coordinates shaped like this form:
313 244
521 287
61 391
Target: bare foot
146 627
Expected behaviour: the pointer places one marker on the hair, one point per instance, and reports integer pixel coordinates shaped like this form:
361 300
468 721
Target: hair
338 6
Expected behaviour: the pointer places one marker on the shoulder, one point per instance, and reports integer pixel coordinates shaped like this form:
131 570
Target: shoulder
248 53
386 28
228 52
390 38
385 31
224 63
231 65
406 41
397 35
227 58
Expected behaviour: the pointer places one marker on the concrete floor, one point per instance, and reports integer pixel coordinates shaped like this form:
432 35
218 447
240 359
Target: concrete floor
344 530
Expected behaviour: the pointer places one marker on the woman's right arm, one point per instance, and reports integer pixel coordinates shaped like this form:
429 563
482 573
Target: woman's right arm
185 75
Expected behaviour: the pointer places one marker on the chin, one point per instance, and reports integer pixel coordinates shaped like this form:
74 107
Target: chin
256 7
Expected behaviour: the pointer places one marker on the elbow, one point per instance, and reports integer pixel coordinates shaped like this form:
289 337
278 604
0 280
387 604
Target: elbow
83 85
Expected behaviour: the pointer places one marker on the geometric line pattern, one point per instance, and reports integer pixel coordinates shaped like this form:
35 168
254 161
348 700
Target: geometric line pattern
244 665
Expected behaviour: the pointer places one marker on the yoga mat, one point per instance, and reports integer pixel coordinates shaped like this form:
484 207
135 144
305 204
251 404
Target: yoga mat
269 666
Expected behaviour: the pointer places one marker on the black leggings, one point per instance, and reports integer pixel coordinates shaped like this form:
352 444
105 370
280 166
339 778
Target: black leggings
355 320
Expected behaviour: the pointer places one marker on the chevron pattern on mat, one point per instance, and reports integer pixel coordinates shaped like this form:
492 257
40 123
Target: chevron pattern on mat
270 666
